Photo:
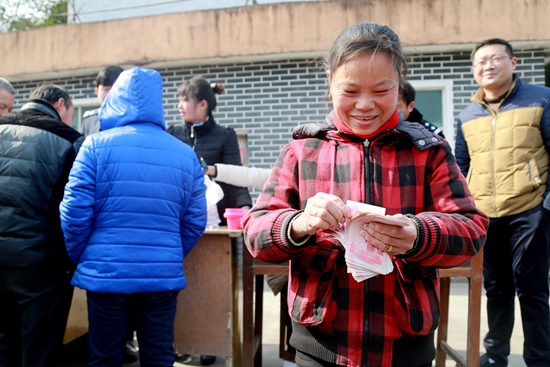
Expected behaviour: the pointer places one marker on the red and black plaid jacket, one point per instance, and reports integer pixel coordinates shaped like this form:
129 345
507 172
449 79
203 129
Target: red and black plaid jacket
407 170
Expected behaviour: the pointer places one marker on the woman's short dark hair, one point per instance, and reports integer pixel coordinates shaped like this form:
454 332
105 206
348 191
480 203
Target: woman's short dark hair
364 38
198 89
51 93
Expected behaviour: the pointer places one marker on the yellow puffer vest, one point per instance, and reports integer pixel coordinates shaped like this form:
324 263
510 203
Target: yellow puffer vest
509 163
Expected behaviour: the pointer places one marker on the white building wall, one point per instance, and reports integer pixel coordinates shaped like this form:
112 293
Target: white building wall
85 11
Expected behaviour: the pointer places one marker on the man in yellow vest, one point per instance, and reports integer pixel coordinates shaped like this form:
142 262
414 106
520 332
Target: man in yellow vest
502 147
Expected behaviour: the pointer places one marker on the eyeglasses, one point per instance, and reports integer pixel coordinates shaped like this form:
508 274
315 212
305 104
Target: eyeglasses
493 60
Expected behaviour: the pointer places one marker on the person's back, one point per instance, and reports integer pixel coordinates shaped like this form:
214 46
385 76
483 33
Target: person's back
40 149
37 151
146 182
133 209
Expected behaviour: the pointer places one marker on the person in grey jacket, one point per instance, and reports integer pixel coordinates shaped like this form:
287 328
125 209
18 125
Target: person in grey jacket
103 83
37 150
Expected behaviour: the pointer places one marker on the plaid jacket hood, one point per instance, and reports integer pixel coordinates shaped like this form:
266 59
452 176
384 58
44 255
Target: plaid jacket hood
407 170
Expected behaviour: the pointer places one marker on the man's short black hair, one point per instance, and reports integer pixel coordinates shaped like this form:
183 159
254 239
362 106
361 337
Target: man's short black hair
108 76
51 93
407 92
494 41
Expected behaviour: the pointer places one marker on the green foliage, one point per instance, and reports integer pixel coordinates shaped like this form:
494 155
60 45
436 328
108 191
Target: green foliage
18 15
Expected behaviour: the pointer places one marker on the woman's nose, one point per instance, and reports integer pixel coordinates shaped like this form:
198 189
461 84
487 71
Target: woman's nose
364 103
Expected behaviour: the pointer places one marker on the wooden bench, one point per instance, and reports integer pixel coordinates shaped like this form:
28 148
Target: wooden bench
253 287
253 290
473 271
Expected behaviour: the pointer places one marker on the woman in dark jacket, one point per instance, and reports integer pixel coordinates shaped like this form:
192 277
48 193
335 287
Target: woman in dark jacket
213 142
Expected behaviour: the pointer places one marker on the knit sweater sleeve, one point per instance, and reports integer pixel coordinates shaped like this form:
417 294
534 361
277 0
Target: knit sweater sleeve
451 230
266 224
242 176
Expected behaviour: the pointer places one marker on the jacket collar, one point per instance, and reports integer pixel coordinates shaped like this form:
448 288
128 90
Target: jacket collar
43 106
479 95
204 128
420 136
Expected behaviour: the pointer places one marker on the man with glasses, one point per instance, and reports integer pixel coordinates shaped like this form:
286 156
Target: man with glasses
502 146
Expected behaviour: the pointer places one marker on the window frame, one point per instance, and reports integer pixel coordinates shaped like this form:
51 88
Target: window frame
446 88
79 104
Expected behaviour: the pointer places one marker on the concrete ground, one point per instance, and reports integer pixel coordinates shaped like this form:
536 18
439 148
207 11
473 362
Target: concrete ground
76 353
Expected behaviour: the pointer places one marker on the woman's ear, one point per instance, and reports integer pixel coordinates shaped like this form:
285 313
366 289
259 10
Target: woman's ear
328 77
203 107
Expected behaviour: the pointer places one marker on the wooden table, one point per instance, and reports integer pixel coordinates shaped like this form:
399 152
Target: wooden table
207 316
77 323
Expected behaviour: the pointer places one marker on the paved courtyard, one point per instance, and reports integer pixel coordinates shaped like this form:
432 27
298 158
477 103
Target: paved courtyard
76 354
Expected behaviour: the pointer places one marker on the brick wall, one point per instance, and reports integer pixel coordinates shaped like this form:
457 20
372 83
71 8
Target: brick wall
268 99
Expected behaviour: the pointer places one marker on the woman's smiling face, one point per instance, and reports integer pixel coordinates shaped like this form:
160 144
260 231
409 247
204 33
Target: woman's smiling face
364 92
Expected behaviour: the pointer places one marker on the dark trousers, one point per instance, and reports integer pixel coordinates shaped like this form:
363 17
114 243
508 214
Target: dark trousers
515 261
108 316
34 305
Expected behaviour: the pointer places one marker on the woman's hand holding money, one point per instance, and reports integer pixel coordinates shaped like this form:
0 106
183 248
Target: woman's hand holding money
390 238
322 211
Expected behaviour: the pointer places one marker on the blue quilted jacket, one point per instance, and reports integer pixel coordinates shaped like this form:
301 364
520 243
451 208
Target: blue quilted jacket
135 203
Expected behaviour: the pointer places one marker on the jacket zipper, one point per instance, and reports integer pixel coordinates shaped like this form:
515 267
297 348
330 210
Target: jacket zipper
366 325
493 140
366 146
193 136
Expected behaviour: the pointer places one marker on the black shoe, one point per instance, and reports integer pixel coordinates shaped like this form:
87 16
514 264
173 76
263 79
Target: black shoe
486 361
207 360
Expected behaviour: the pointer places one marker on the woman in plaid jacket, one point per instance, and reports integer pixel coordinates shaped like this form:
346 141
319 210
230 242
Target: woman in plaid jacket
362 152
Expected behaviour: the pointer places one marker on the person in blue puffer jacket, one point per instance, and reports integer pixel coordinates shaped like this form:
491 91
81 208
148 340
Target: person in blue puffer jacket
133 208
